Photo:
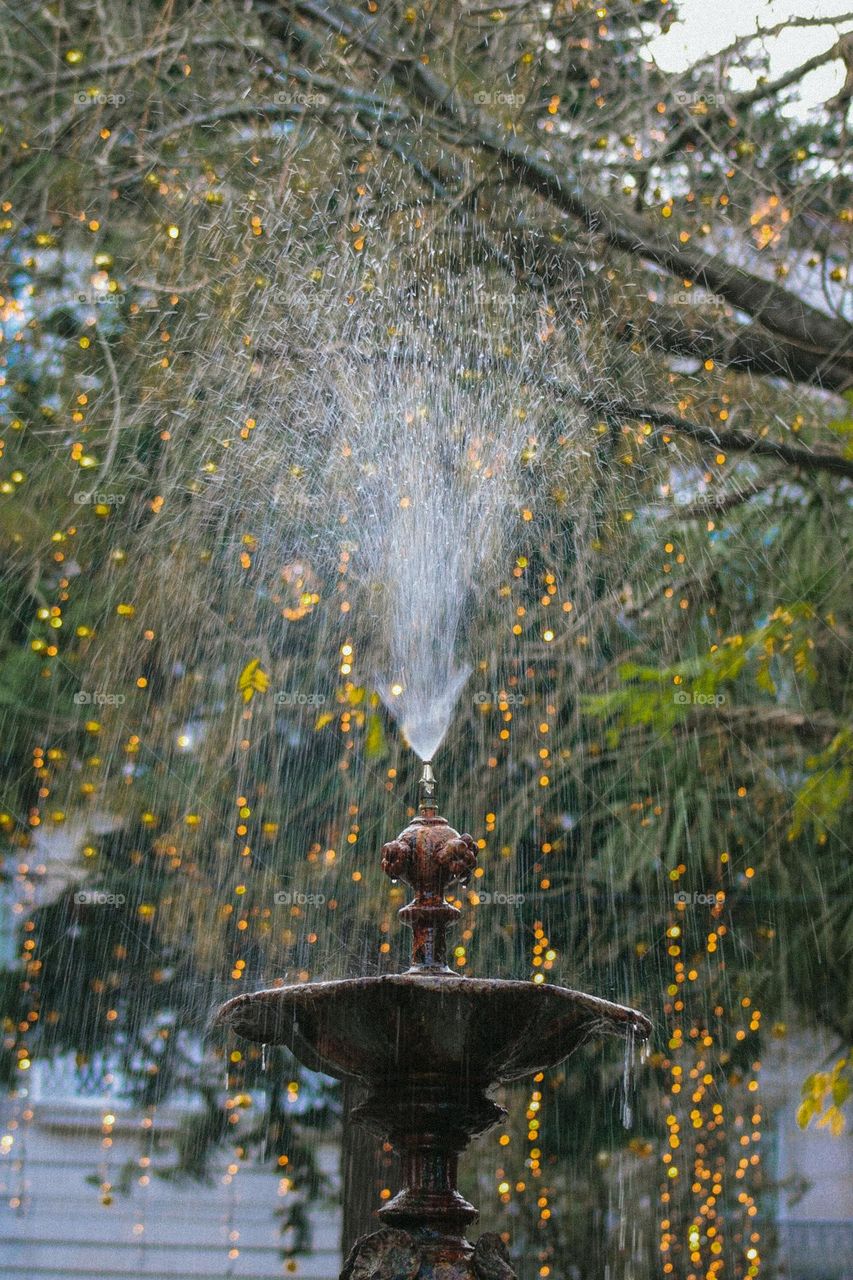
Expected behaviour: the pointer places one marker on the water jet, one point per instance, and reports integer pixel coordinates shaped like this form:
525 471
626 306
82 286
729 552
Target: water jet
428 1046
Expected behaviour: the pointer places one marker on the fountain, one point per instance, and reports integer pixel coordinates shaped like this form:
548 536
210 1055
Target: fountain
428 1046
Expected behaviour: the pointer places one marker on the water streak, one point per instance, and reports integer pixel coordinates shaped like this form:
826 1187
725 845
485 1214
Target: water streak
627 1110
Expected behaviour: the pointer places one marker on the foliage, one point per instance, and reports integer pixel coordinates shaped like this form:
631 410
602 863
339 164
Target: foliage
199 198
824 1095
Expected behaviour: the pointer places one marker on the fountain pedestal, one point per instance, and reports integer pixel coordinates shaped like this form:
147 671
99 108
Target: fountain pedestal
430 1128
429 1046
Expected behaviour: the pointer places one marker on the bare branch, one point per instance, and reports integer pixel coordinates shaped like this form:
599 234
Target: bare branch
725 441
816 336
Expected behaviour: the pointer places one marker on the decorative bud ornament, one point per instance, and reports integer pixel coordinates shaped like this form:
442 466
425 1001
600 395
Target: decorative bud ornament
430 856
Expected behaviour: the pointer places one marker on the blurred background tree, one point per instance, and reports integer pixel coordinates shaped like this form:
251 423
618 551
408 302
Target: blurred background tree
652 749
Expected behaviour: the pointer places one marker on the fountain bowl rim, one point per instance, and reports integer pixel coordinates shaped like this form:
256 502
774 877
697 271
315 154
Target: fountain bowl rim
619 1019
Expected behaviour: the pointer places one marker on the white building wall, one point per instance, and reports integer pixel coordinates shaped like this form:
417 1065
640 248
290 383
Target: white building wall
813 1170
54 1226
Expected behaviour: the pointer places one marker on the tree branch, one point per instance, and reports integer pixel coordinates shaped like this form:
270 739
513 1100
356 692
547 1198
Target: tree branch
29 89
689 330
689 131
767 719
725 441
816 336
718 504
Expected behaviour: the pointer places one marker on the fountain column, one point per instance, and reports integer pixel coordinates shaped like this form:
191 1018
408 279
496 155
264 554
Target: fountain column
428 1045
430 1121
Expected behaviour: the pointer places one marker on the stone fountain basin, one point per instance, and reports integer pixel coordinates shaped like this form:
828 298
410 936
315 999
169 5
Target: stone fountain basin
474 1030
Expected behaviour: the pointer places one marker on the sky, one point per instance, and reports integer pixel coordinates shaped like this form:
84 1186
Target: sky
706 26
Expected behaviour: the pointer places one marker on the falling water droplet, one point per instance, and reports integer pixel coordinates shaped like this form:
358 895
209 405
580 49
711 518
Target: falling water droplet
265 1056
628 1078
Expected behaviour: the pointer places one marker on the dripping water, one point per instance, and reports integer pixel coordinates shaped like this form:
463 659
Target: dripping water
627 1110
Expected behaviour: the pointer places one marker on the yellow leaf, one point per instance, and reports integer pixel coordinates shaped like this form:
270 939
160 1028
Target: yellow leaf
253 679
375 747
805 1112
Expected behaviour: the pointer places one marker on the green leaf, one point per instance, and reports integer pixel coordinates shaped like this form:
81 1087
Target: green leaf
375 745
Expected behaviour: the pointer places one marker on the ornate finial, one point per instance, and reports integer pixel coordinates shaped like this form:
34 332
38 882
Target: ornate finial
430 856
426 790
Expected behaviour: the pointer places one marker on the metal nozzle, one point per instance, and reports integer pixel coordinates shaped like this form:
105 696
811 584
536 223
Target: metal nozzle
426 789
